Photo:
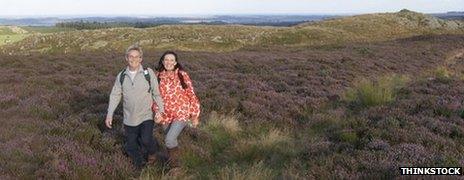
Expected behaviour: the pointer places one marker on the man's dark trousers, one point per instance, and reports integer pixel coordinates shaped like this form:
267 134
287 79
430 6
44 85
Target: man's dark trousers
138 137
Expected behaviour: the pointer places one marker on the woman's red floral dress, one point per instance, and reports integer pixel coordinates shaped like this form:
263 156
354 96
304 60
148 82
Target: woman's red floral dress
179 104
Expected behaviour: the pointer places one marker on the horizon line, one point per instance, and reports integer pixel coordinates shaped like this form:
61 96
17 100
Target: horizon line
202 14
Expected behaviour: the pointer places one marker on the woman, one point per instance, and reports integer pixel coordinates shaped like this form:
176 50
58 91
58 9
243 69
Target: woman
181 105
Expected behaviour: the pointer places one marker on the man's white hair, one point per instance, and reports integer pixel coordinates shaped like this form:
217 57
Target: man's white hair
135 47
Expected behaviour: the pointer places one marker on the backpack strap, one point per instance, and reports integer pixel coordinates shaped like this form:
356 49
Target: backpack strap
158 77
122 76
147 77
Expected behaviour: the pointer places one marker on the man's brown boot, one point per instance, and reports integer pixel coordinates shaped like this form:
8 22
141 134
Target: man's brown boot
151 160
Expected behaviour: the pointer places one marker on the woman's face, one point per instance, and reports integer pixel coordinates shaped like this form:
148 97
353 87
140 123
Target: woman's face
169 62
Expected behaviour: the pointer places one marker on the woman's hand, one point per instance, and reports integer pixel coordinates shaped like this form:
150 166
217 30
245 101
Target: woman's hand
195 122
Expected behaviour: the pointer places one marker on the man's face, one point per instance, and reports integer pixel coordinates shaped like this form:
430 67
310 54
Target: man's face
133 59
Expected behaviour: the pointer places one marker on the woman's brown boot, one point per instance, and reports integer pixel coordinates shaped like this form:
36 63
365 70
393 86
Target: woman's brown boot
174 154
174 162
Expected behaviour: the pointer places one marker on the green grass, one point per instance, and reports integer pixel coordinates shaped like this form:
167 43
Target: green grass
442 74
256 171
347 136
46 29
6 31
275 148
223 130
325 123
9 36
191 160
9 39
368 93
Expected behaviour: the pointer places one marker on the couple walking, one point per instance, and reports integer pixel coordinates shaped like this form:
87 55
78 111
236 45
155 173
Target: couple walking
164 97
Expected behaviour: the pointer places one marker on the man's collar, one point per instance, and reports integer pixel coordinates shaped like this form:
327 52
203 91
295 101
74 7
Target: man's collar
139 70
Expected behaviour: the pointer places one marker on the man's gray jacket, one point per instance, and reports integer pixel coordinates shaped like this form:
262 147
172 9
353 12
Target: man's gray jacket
136 100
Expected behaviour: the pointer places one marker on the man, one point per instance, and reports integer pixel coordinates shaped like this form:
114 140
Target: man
137 88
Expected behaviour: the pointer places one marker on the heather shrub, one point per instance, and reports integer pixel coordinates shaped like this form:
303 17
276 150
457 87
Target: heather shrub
410 155
41 112
287 113
347 131
378 145
8 101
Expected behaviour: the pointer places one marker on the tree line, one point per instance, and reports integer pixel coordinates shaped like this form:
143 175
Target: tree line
80 25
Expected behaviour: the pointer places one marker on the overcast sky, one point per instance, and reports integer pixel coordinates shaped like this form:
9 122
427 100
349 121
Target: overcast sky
211 7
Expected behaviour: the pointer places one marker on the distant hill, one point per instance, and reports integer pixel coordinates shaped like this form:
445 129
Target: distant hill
273 20
366 28
360 28
46 21
453 15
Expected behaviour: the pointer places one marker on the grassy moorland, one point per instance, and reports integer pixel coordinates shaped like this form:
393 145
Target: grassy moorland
349 110
11 34
362 28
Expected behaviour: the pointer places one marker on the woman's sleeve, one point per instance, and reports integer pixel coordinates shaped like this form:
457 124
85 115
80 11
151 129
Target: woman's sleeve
194 109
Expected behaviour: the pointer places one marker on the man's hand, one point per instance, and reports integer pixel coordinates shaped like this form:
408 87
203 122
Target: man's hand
109 122
157 118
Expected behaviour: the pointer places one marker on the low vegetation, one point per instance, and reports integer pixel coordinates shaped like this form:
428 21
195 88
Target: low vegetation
327 111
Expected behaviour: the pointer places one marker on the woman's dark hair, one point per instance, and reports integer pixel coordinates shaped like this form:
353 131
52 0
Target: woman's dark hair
161 68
